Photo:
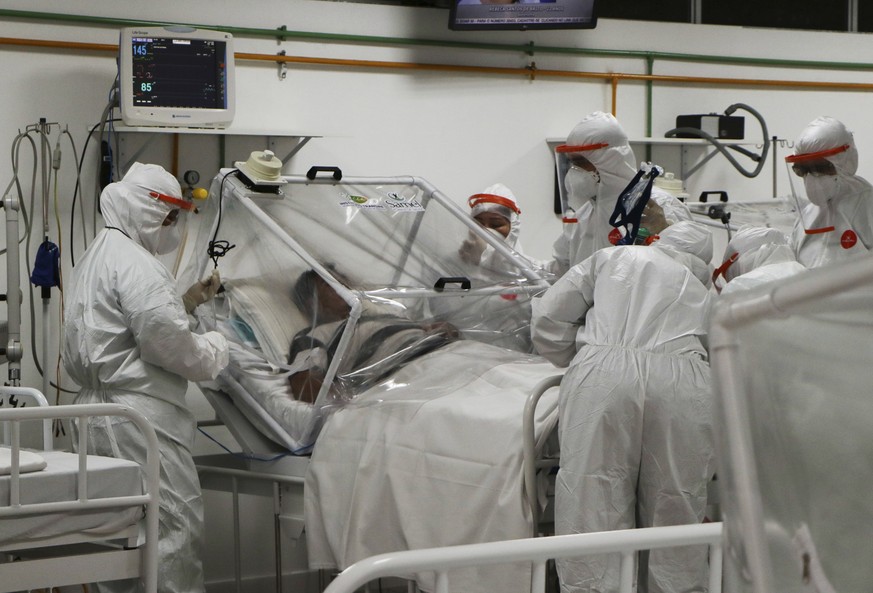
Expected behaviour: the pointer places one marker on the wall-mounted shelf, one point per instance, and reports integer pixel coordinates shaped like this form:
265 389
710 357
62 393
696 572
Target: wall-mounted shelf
284 144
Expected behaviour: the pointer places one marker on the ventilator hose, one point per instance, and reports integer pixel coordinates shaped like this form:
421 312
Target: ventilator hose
761 159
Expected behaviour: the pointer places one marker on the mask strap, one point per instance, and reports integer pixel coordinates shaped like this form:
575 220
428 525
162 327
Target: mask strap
720 271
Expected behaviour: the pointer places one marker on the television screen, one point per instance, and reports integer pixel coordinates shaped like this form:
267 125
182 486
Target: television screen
522 14
176 77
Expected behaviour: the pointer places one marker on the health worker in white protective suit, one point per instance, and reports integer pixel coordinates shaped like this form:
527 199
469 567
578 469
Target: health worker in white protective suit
837 222
754 256
635 407
127 341
496 209
600 164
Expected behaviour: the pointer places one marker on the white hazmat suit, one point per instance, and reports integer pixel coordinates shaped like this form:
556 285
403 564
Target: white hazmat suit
592 195
837 223
635 406
755 256
127 341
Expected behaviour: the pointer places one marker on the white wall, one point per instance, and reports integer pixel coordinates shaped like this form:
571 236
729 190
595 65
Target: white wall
461 131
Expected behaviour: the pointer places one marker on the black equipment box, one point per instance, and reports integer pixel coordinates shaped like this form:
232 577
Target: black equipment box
725 127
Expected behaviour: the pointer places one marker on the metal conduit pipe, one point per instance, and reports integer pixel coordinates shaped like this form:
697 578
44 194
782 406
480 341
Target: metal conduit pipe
531 72
282 34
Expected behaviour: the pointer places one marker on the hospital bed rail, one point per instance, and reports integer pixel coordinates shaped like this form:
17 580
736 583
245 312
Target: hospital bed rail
532 463
75 566
15 397
537 551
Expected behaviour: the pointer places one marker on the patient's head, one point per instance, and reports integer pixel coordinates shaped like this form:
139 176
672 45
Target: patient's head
316 299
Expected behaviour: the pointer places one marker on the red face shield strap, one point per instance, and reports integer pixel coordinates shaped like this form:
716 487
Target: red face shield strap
492 199
177 202
564 148
720 271
814 156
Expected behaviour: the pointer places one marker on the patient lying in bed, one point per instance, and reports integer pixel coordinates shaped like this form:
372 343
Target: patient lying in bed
384 339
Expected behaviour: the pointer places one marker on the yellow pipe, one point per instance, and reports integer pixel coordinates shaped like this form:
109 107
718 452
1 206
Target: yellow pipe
615 96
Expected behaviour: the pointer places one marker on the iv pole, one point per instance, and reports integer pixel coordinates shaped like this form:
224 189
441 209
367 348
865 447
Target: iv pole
46 291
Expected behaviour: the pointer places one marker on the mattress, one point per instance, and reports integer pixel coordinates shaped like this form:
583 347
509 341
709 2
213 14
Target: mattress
107 477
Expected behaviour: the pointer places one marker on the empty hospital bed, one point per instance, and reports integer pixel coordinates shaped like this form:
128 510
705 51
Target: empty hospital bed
442 562
446 399
72 518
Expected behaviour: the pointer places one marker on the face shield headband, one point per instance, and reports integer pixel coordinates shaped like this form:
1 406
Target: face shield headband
722 270
476 199
814 163
568 151
177 202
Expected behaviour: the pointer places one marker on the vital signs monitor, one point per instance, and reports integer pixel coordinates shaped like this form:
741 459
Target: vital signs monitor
176 77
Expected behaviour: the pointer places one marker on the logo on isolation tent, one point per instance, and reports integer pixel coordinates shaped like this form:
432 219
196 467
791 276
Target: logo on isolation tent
359 202
396 201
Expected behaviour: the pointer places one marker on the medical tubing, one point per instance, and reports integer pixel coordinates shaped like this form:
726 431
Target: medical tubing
219 248
110 104
26 239
761 159
239 454
78 161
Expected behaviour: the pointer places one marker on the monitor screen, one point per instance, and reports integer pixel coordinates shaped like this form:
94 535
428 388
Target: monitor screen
176 77
522 14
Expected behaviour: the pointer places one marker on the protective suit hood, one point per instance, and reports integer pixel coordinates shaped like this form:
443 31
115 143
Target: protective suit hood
128 206
826 133
499 199
690 244
615 163
756 247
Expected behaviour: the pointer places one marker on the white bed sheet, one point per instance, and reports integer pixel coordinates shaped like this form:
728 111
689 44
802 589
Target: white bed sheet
431 458
107 477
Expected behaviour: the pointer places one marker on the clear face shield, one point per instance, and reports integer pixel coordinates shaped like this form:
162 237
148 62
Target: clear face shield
172 228
814 178
577 176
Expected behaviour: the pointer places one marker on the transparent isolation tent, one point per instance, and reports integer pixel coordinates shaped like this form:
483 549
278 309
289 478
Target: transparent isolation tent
793 370
329 286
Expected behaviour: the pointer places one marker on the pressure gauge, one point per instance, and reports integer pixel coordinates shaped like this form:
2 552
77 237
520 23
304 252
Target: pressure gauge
191 177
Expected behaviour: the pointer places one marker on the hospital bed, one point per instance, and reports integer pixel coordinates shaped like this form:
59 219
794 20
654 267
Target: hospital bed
72 518
389 247
626 543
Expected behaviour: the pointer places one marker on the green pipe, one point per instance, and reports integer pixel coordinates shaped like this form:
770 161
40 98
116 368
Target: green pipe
650 100
282 34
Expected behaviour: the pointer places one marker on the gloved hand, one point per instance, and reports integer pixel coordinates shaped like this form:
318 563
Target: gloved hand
201 292
471 249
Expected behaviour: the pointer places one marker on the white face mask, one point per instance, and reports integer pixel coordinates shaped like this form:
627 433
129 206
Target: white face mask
580 186
169 238
821 189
